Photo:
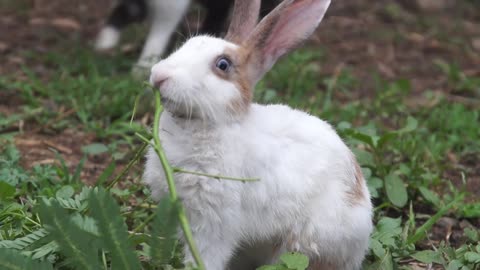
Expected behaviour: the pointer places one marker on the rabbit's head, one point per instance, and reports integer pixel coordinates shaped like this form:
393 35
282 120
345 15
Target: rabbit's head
212 79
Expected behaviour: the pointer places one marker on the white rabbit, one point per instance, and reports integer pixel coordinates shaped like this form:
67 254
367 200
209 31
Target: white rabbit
311 196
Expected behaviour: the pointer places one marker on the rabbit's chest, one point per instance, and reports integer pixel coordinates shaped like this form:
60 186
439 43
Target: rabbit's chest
193 149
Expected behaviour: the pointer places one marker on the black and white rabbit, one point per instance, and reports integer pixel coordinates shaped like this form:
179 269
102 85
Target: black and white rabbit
164 16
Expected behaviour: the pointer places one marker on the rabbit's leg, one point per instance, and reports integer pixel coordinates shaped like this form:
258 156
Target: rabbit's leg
124 13
214 251
166 16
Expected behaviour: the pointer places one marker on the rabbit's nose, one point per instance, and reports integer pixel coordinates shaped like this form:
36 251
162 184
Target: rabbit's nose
158 79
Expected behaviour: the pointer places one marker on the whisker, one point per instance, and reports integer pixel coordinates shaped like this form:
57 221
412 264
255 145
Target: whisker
188 27
198 22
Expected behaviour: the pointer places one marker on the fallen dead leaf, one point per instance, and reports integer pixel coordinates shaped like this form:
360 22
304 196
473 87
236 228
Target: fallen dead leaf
26 142
37 21
58 147
44 162
476 43
65 23
415 37
434 5
3 47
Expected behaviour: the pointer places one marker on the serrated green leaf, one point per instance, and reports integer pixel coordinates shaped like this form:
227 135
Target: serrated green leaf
73 242
113 230
23 242
296 261
164 232
13 260
396 190
43 251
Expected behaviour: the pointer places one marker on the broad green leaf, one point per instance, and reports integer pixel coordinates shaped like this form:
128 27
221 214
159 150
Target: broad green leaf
74 243
65 192
428 256
454 265
472 257
374 184
386 138
365 158
377 248
410 126
272 267
365 138
386 262
95 149
113 230
386 224
6 191
164 232
396 190
471 210
13 260
295 260
472 234
267 267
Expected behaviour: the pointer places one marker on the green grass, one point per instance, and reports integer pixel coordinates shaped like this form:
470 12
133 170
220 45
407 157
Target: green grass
404 153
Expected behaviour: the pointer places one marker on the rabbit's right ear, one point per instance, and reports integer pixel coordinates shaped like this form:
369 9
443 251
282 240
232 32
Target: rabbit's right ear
286 27
244 19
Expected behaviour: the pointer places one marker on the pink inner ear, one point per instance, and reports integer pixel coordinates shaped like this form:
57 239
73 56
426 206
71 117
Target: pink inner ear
295 23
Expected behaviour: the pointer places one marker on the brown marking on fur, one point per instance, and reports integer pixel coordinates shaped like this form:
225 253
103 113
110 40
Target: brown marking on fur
237 75
244 19
356 195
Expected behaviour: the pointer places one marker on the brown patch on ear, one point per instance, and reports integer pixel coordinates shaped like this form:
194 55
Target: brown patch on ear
356 195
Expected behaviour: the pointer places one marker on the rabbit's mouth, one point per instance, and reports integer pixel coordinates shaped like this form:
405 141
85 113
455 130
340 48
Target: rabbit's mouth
179 109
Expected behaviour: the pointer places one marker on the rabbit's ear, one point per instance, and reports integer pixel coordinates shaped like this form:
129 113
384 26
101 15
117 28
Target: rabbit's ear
244 19
286 27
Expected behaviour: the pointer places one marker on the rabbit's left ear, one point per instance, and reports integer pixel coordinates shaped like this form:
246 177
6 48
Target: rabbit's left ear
244 19
287 26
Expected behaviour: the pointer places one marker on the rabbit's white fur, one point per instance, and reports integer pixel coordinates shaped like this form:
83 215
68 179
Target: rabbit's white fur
306 172
311 196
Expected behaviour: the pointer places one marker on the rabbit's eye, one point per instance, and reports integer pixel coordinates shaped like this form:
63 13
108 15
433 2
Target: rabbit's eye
223 64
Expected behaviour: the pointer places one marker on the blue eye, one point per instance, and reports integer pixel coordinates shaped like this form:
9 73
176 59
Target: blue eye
223 64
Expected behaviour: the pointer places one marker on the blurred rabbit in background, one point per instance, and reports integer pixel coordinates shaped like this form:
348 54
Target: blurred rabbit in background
164 17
